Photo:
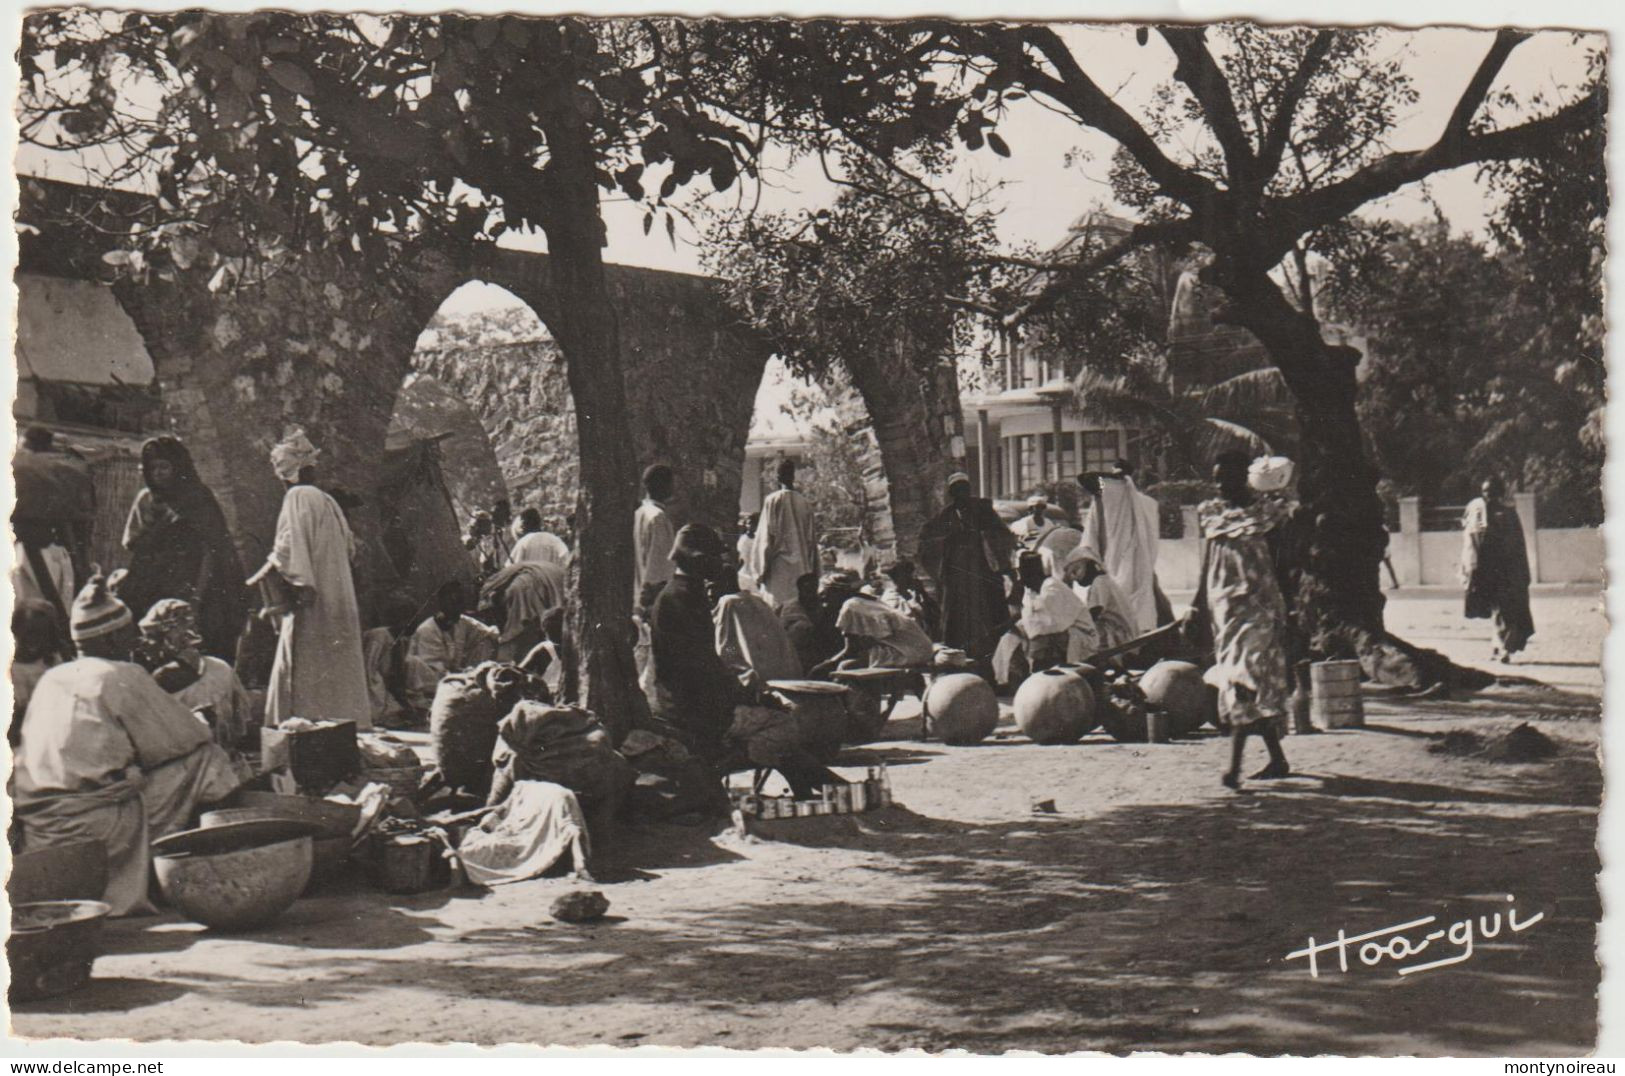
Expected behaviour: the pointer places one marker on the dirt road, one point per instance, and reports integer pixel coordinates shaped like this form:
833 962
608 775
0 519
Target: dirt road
1154 911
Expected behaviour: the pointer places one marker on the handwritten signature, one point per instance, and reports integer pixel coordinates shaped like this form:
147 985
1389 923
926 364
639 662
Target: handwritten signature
1399 947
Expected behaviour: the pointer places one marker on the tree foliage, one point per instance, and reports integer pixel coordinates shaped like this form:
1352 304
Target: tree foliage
880 267
279 130
1462 380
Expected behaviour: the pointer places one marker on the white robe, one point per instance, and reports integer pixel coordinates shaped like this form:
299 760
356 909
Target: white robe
540 547
1121 533
786 546
319 672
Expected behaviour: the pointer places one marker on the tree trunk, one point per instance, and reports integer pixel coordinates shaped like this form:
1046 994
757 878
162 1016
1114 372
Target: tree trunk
1335 547
585 325
913 404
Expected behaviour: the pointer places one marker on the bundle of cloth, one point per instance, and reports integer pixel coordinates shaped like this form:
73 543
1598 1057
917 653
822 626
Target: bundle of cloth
563 745
464 718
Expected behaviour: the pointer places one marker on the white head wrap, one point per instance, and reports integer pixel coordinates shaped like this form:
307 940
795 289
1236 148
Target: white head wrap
1270 474
293 454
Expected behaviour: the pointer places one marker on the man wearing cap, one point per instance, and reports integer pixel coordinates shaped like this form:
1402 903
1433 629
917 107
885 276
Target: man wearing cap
1036 525
107 755
715 715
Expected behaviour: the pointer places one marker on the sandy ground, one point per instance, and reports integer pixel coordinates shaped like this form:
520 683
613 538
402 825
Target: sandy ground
1154 911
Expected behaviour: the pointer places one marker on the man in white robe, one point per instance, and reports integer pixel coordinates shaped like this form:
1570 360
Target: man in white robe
537 546
319 672
447 642
1120 532
107 755
786 546
1031 529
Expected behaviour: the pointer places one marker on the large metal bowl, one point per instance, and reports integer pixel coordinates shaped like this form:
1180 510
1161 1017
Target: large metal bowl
52 946
335 819
238 889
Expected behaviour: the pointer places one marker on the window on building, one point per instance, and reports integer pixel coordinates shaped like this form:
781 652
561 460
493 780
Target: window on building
1100 450
1026 462
1069 456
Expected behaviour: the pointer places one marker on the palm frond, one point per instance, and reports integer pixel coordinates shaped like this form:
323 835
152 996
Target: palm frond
1235 431
1263 389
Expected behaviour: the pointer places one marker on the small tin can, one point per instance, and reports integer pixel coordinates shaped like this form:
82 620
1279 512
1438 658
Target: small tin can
859 794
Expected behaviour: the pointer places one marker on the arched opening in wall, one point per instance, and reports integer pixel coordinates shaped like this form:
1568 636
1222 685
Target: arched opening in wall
825 429
484 416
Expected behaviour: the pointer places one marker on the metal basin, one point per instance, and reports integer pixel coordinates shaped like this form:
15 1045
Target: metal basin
52 946
335 819
235 889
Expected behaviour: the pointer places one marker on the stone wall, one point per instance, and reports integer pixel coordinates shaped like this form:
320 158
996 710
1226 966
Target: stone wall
428 410
522 397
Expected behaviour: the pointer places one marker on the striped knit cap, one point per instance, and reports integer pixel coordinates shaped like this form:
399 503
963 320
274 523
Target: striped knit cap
96 612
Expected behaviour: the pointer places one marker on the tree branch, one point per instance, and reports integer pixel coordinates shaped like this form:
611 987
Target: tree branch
1289 218
1478 88
1095 108
1280 130
1199 72
1063 277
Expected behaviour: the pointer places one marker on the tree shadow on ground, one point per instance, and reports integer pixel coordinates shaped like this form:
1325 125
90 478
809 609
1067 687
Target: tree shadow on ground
110 994
1538 701
1161 927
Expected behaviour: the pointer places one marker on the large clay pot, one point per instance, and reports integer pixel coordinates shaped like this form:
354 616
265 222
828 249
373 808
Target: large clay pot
865 716
1178 688
961 708
821 720
1055 706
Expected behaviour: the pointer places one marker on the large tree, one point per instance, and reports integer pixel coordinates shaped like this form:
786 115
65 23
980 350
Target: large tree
864 292
267 136
1260 147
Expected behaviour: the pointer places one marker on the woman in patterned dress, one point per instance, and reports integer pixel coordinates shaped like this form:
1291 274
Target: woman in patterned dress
1243 599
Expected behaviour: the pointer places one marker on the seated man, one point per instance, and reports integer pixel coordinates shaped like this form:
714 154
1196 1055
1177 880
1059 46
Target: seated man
383 651
751 641
904 593
447 642
711 712
203 684
876 636
1055 624
801 621
1108 605
108 755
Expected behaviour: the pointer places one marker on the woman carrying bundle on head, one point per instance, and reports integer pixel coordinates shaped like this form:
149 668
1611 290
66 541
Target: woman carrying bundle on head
1242 597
